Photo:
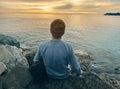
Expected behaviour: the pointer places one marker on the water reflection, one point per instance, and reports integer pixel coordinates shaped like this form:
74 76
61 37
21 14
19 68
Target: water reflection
97 34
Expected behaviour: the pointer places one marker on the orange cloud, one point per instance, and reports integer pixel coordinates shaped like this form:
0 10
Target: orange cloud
61 6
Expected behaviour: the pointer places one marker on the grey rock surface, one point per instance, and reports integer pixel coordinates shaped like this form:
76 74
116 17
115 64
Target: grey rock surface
3 68
11 56
8 40
84 59
18 78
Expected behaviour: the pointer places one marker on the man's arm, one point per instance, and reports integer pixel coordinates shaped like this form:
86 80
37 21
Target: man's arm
74 62
37 56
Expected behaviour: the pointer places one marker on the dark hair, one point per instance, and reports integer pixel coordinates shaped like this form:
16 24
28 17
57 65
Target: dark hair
57 28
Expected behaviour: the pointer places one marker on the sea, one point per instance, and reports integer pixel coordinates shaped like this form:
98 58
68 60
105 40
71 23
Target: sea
99 35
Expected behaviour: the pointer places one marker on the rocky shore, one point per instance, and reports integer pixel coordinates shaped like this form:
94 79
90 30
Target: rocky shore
14 74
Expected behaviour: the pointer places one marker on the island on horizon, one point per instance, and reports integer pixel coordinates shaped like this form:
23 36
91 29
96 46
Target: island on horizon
114 14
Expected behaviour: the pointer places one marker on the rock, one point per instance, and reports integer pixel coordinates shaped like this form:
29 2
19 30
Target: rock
9 41
29 56
84 59
11 56
18 78
86 81
0 82
112 79
3 68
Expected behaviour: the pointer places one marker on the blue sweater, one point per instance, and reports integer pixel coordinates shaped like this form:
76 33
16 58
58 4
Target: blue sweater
57 55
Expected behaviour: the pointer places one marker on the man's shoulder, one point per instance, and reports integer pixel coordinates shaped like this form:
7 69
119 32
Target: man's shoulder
68 45
45 43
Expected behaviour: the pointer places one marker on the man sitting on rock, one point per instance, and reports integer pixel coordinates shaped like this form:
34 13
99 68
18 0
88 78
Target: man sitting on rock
57 54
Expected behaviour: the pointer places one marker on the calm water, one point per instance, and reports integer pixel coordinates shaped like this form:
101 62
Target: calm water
97 34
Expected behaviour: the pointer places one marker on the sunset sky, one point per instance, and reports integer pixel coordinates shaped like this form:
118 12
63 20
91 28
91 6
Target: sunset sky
60 6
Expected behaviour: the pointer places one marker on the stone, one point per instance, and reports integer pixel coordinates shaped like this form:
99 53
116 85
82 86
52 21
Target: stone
1 82
3 68
11 56
86 81
8 40
111 79
18 78
84 59
29 56
89 80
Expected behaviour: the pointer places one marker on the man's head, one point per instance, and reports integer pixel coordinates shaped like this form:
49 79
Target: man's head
57 28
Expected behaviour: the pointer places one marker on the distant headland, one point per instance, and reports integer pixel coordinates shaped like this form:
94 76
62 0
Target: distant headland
113 14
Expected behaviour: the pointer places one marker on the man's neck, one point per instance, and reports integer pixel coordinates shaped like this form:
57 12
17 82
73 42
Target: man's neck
56 39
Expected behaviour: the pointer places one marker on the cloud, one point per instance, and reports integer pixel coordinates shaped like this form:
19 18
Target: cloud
67 6
36 0
62 5
29 1
108 0
89 6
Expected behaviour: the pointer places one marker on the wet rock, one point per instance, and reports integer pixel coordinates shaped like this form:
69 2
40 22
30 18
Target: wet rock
9 41
3 68
84 59
11 56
